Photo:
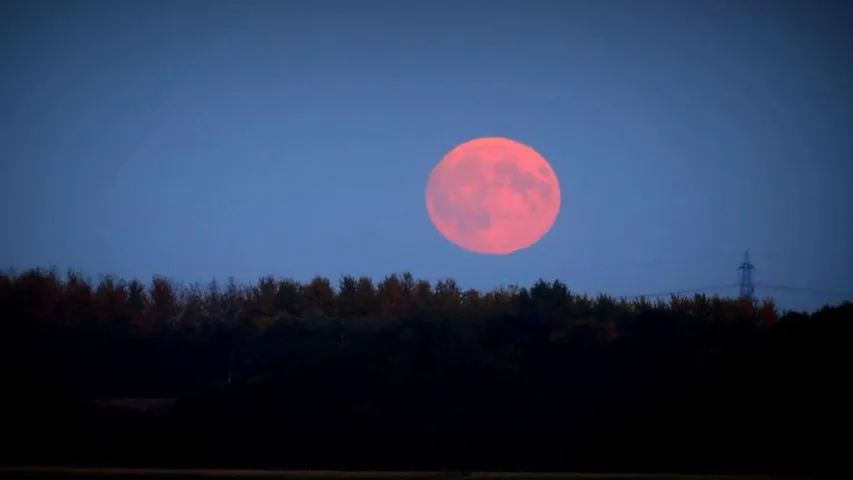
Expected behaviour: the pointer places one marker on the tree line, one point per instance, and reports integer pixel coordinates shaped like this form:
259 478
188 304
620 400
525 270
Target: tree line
407 374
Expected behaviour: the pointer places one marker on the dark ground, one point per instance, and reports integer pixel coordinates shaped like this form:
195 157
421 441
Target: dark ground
46 473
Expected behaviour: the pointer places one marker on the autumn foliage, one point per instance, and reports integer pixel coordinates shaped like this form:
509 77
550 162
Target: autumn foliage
404 373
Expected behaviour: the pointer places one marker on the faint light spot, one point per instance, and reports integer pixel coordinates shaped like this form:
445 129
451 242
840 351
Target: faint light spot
545 190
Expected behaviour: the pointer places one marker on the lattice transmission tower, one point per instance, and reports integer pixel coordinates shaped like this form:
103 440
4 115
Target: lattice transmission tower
747 288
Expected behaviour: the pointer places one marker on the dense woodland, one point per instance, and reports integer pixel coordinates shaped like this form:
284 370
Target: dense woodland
405 374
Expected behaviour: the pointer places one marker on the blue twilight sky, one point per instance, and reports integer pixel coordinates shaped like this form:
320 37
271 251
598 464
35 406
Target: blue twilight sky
201 139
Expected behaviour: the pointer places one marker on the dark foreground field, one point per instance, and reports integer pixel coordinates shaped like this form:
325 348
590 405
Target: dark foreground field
109 473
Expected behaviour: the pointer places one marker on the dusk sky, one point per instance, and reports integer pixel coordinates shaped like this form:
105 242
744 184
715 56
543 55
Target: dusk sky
202 139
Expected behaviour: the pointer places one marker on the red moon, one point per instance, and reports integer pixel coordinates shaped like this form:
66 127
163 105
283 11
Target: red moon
493 195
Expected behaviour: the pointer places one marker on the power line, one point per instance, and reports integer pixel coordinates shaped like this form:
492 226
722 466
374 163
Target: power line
745 283
733 285
680 292
805 289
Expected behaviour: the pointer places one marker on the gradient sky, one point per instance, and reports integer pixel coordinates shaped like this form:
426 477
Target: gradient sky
201 139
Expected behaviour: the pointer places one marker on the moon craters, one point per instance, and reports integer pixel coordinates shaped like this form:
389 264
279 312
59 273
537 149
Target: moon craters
467 215
520 182
493 195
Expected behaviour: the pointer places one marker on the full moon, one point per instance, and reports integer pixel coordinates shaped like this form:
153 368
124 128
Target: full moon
493 195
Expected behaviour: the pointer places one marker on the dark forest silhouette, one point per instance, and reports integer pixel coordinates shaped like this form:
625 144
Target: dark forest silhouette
404 374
